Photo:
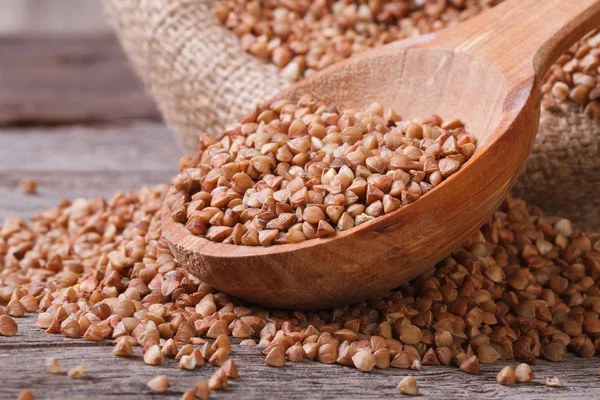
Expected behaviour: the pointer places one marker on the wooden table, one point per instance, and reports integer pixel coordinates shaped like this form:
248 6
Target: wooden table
75 158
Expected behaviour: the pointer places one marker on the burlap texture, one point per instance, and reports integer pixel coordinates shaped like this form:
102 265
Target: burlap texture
202 80
194 67
562 174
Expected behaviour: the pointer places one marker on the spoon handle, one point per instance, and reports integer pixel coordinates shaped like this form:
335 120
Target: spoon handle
519 34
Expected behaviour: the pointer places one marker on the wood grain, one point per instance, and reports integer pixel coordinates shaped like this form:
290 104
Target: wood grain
73 162
109 377
473 71
67 80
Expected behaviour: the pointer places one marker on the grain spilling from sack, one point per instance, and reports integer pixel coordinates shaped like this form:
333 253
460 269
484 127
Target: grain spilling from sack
305 36
574 78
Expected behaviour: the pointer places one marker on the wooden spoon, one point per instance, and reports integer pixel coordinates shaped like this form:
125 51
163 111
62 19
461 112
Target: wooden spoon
487 72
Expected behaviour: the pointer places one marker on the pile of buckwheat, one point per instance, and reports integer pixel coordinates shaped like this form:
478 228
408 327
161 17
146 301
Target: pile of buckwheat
524 286
574 78
305 36
296 171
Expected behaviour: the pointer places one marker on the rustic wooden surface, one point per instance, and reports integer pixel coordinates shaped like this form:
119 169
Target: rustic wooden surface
109 377
78 161
53 81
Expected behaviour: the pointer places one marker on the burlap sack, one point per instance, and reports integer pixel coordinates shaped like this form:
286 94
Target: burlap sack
194 67
562 175
202 80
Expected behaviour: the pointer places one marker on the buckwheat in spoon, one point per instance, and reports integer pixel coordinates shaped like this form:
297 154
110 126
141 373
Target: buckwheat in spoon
301 206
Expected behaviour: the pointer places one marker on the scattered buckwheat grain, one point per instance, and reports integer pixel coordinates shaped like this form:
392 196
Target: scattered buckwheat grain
28 186
52 366
159 384
408 385
188 395
218 380
506 376
202 390
77 371
8 326
26 395
554 382
523 373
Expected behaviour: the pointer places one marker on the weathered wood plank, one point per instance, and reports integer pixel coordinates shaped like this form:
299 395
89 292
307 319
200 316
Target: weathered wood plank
73 162
22 357
65 80
72 17
139 146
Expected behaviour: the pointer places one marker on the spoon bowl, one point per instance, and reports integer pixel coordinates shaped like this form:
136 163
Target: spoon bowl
487 73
